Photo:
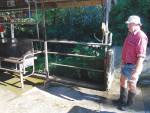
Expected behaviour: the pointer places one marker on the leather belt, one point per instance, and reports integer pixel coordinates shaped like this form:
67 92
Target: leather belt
127 63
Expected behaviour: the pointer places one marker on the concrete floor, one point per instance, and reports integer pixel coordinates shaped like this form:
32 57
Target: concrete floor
61 98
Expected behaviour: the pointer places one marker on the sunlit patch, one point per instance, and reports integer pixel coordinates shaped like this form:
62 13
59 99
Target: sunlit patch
6 72
11 81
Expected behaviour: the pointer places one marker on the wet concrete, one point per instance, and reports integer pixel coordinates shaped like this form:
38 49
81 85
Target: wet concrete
60 98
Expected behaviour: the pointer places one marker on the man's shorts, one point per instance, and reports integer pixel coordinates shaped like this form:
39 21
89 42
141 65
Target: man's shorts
127 70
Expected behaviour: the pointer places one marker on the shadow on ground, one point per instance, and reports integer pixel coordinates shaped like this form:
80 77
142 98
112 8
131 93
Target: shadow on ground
78 109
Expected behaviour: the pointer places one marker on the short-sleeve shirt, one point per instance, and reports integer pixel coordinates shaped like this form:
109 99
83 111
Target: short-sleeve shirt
135 45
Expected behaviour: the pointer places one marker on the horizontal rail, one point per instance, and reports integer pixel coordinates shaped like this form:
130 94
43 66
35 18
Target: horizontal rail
20 23
6 69
10 60
18 60
13 9
37 40
77 55
76 67
75 42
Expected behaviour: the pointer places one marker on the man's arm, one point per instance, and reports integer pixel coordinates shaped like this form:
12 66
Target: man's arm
138 68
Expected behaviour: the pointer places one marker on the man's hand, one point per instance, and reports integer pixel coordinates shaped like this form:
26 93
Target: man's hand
120 65
134 76
138 68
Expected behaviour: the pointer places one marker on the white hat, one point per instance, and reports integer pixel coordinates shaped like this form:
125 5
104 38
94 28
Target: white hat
134 19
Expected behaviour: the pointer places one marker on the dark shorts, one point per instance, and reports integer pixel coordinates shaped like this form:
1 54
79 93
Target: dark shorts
127 70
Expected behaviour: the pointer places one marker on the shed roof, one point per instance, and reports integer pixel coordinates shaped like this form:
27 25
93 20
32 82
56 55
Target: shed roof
48 4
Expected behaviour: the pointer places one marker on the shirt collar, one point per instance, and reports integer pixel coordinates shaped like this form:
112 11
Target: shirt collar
135 32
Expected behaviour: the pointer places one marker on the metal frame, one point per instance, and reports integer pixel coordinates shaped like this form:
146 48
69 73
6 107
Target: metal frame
45 41
13 22
105 34
25 61
20 23
82 43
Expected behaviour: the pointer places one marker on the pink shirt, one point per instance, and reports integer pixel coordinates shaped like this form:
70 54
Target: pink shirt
135 45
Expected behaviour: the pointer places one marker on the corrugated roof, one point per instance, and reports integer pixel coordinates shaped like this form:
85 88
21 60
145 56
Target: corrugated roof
54 3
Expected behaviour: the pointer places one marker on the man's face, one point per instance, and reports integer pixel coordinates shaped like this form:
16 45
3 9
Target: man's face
132 27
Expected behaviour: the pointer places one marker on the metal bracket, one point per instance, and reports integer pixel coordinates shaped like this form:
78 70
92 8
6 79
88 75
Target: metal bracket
104 30
98 39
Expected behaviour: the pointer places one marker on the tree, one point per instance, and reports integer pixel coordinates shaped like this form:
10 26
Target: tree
120 13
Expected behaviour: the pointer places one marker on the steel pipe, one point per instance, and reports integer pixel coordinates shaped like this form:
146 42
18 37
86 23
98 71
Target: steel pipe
20 23
76 67
85 56
45 41
8 10
81 43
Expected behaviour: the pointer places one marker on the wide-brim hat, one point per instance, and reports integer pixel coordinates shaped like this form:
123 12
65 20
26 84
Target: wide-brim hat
134 19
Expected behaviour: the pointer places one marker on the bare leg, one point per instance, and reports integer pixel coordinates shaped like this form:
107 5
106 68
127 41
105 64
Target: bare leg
132 86
123 81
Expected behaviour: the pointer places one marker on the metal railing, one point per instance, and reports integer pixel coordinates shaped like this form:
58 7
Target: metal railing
106 44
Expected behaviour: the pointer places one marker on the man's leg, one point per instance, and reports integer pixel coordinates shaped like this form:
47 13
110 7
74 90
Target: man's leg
131 95
123 91
123 81
132 86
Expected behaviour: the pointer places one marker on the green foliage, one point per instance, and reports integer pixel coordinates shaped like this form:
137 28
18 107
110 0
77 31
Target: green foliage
80 24
76 23
120 13
91 76
96 77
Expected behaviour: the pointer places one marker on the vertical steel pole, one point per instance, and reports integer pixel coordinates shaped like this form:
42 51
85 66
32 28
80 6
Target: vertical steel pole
106 40
21 77
45 41
29 11
103 17
12 31
103 14
107 19
37 25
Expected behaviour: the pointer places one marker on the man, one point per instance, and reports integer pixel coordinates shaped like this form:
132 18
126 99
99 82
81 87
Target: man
133 55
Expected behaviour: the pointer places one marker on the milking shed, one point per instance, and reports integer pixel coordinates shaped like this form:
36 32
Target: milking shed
20 50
